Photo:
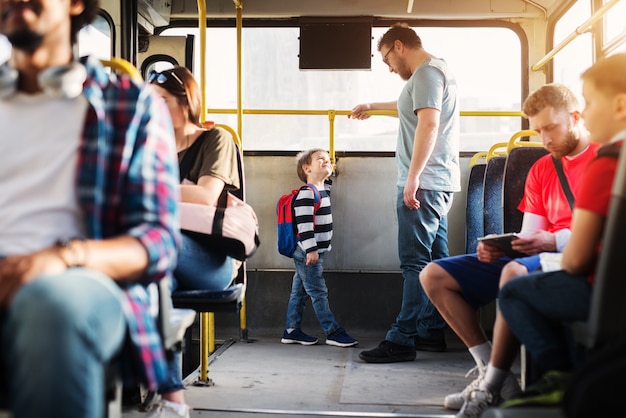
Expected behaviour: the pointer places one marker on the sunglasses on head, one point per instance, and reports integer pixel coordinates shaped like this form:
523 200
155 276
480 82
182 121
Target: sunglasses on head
165 76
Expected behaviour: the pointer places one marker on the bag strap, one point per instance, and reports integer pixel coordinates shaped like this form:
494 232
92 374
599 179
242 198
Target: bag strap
564 184
316 196
191 155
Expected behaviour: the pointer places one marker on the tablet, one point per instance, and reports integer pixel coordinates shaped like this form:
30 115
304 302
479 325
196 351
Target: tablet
503 242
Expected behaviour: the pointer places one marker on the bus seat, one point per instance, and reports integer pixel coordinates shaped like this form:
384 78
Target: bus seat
207 303
518 162
492 195
474 207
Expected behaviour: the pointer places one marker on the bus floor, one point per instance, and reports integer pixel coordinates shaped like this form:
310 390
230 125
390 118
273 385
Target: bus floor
264 378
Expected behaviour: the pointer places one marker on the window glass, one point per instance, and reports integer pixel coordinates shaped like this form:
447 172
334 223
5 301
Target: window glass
272 80
96 39
614 23
5 49
577 56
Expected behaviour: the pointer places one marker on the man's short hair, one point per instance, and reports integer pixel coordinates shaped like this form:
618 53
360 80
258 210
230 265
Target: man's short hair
305 158
401 32
607 75
556 96
86 17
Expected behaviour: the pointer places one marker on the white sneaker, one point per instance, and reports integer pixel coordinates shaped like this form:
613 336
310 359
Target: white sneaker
479 400
455 401
510 389
164 409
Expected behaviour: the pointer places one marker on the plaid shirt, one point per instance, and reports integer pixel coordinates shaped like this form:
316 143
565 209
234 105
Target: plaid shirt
127 182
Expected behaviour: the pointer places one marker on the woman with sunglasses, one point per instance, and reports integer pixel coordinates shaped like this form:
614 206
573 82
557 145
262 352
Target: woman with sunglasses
214 169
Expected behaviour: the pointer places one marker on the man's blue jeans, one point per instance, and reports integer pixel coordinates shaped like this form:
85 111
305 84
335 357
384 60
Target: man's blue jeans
57 334
422 237
536 306
308 281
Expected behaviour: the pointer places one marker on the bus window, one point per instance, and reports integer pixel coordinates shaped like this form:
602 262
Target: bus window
96 39
577 56
615 28
5 49
272 80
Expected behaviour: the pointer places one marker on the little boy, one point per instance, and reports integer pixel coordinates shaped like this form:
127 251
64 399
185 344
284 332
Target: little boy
315 229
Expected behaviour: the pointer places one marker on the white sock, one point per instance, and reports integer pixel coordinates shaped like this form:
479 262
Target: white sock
181 409
481 353
494 378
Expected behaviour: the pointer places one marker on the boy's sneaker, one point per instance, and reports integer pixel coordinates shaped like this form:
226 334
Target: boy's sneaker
340 338
388 352
548 390
297 337
510 389
478 401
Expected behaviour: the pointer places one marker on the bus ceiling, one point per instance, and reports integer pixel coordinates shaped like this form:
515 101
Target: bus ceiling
408 9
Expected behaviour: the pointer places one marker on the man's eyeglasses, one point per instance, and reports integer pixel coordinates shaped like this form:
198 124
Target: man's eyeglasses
385 57
165 76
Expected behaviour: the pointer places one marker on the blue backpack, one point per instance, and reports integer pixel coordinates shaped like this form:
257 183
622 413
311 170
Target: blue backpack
287 233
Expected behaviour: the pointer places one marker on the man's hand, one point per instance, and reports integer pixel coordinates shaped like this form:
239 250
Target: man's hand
488 253
534 243
410 192
17 270
358 112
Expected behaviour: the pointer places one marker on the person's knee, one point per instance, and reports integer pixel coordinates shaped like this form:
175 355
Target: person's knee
511 270
433 278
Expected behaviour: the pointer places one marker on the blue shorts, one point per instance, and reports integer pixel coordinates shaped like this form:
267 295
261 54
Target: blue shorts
479 281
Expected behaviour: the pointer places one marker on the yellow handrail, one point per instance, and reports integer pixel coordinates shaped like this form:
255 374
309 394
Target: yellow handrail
123 66
476 157
493 151
323 112
514 141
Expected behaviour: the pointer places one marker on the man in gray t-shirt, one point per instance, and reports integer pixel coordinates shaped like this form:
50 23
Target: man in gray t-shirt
427 156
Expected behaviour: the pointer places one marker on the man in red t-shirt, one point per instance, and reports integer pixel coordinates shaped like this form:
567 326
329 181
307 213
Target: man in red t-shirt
535 307
459 285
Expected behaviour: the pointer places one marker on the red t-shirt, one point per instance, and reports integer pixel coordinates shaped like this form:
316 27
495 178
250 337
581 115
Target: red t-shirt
595 189
543 194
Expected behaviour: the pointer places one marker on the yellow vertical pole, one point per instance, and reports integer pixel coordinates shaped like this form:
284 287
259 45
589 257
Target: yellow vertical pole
331 142
202 39
239 21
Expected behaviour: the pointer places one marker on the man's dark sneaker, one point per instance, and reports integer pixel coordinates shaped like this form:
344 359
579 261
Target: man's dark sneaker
437 344
388 352
297 337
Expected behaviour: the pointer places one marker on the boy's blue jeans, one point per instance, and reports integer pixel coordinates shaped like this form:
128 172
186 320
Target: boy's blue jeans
537 305
56 335
308 281
422 237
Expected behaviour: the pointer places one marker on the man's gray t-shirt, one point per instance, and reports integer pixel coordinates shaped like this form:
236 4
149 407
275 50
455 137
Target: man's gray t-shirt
432 85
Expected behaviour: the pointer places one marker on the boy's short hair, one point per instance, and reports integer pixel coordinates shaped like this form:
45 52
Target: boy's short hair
304 158
554 95
607 75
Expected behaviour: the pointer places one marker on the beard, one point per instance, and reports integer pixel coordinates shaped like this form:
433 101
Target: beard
25 40
569 145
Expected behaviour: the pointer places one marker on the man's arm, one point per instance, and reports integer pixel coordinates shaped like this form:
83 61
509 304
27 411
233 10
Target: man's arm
424 143
360 111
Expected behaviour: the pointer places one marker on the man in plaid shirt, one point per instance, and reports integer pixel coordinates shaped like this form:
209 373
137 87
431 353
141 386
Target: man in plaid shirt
88 215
